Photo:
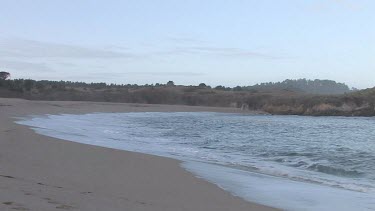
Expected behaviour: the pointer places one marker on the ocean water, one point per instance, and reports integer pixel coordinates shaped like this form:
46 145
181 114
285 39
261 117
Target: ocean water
289 162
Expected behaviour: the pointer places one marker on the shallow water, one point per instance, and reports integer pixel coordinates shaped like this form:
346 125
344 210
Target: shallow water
290 162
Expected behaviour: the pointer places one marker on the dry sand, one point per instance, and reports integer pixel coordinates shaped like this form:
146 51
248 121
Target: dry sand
42 173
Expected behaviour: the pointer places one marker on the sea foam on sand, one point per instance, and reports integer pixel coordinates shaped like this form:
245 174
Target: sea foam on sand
201 141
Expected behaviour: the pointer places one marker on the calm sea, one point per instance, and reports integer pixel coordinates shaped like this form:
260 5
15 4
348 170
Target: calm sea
289 162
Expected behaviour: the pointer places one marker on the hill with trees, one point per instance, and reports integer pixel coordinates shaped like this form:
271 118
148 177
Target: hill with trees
316 86
275 98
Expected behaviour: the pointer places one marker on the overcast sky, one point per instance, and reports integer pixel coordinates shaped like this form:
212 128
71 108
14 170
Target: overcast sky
218 42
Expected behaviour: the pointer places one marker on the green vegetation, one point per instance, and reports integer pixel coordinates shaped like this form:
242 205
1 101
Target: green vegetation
4 75
274 98
307 86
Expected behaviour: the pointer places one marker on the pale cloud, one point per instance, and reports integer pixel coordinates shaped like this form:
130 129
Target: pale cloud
217 51
323 6
29 57
23 66
349 4
31 49
116 48
186 40
39 59
22 48
66 64
112 76
164 73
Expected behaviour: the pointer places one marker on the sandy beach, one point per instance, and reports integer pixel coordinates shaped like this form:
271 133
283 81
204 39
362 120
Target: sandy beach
41 173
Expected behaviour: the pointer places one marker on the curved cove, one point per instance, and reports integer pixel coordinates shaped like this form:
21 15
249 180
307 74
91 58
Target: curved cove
315 155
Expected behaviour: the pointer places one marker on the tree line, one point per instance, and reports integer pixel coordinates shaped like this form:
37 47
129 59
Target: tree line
300 85
272 100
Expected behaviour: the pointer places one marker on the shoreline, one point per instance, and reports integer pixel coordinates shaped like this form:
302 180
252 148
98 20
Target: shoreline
41 173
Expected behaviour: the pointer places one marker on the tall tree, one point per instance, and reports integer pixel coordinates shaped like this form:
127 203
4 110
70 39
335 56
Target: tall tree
4 75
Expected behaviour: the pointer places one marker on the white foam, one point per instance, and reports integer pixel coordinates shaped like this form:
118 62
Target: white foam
281 193
119 131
